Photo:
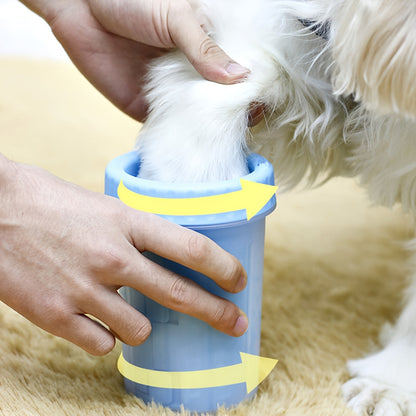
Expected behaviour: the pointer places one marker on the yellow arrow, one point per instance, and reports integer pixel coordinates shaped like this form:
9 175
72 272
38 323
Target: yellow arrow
252 370
252 197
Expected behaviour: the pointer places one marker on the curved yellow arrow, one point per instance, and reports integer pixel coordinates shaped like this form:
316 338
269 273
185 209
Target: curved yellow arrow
252 370
252 197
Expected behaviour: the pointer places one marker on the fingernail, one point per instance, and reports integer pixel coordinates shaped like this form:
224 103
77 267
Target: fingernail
234 68
241 325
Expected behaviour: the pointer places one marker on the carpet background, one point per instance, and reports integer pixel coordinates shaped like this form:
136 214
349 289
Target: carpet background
335 267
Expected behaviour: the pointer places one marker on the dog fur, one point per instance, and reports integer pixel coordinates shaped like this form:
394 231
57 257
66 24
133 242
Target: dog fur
337 79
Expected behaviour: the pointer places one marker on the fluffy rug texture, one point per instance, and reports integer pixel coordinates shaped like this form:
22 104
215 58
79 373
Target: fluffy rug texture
335 268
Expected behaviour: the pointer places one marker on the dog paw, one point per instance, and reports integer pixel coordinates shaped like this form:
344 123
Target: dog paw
368 397
383 384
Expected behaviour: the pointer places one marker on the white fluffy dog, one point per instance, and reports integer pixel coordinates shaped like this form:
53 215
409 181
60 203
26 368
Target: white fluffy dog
338 82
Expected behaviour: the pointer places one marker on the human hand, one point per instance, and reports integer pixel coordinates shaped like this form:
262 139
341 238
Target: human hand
65 252
112 42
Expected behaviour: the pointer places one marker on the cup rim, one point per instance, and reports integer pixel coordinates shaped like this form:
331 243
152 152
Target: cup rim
126 167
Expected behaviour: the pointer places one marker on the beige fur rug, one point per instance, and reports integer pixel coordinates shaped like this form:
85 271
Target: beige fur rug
335 268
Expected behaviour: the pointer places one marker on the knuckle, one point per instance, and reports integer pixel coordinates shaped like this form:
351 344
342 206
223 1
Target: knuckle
219 316
140 334
179 292
208 48
81 289
59 318
197 248
110 258
113 260
100 346
225 315
232 273
55 312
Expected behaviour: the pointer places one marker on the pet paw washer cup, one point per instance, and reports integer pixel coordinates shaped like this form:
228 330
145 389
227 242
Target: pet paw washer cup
185 362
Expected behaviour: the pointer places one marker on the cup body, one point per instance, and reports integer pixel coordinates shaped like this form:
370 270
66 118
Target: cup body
182 343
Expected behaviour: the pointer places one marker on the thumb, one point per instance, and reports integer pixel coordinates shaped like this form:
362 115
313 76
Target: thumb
202 52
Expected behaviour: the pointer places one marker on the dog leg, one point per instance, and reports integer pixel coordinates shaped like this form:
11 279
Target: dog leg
196 129
384 383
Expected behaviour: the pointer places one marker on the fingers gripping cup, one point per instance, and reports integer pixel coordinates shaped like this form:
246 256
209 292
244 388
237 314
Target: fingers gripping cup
185 362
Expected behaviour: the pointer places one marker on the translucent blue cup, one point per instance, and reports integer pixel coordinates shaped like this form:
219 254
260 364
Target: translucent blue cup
179 345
